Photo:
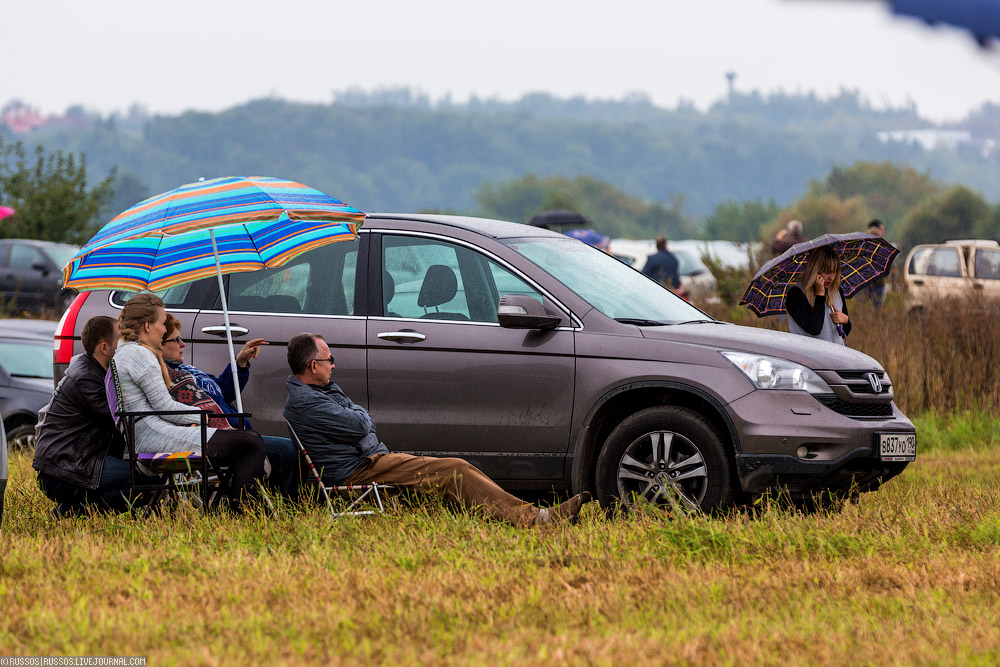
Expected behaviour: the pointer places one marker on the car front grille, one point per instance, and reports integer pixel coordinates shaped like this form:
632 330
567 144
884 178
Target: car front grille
856 410
857 381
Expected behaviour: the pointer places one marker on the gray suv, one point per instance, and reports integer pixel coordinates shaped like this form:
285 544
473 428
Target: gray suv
548 364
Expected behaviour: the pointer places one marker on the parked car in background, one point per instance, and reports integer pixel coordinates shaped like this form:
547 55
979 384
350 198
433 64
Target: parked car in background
697 280
31 275
952 270
25 376
548 364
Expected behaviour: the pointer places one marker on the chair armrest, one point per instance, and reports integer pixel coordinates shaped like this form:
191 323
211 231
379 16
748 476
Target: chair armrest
156 413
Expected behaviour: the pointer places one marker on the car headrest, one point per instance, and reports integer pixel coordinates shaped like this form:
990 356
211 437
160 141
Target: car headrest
440 286
388 288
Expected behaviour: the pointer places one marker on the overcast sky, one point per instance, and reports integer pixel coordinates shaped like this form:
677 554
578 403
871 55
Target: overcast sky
213 54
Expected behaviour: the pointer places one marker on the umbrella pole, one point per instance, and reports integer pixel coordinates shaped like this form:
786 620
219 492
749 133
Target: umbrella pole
225 317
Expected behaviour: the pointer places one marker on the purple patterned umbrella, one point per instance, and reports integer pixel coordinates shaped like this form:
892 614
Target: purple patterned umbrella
864 257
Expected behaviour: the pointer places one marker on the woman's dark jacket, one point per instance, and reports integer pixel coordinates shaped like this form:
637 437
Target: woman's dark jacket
811 318
78 431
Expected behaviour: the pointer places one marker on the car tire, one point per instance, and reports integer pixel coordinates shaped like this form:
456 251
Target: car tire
21 437
694 467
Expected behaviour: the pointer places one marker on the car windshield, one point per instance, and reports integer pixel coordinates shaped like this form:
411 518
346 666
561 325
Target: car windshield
60 254
613 288
28 359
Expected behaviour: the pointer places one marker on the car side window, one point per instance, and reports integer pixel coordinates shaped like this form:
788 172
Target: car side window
506 282
185 295
25 256
937 262
430 279
987 264
318 282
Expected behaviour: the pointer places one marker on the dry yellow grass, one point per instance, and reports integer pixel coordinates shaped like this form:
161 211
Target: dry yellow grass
910 574
939 360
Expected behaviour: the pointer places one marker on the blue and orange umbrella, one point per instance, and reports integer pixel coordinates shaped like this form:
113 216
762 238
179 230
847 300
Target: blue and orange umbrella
224 225
166 240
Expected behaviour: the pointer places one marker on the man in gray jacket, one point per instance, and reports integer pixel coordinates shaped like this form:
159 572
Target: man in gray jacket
78 450
340 437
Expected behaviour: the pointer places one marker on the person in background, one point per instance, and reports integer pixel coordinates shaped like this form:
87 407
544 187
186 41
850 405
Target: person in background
661 266
79 450
875 290
815 306
340 438
792 236
144 380
280 451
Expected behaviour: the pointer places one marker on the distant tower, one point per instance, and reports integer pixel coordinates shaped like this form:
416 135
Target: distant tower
731 76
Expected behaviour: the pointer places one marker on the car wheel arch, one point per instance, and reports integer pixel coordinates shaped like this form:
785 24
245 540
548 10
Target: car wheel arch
627 399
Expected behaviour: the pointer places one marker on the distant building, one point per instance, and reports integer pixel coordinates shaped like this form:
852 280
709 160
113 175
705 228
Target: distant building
928 139
22 119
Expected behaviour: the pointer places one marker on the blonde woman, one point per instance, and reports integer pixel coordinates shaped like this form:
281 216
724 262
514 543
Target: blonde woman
144 383
815 306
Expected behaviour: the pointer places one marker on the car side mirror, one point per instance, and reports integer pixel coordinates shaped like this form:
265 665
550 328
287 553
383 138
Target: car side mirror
517 311
39 266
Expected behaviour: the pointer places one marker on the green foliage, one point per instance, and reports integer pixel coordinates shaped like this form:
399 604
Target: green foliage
51 196
398 151
740 221
955 213
612 211
889 191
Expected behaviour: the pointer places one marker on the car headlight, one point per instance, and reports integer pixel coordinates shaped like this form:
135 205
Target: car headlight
774 373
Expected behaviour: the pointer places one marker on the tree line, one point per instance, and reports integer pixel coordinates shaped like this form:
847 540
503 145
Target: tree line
737 171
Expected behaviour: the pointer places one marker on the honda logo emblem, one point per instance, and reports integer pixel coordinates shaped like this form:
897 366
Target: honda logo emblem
875 381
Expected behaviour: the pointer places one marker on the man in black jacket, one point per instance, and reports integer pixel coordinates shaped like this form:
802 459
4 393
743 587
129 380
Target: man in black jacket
78 450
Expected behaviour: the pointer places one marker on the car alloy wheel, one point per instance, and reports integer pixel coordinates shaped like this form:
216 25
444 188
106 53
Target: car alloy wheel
659 463
662 454
21 438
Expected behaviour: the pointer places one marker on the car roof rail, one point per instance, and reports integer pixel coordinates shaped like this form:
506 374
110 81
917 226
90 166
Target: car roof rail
988 242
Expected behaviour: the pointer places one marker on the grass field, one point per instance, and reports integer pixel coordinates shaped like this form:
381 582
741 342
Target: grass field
910 574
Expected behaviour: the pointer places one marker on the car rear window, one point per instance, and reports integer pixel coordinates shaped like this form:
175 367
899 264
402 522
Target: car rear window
988 264
26 358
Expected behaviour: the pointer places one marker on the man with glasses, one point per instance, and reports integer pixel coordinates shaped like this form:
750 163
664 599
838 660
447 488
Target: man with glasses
340 437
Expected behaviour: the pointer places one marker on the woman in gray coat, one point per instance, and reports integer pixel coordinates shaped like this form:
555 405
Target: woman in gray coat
144 382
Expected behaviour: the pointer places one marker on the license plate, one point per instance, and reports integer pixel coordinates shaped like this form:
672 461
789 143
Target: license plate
897 446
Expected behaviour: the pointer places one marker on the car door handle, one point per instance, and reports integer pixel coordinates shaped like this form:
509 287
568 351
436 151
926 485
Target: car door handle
977 286
918 282
402 336
220 330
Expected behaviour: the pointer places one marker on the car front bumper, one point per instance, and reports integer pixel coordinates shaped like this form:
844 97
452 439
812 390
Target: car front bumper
840 452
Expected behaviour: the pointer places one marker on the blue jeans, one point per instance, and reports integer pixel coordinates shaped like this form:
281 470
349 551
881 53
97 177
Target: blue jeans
284 465
111 492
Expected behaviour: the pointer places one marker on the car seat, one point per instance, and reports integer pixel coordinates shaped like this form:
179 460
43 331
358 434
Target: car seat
388 291
282 303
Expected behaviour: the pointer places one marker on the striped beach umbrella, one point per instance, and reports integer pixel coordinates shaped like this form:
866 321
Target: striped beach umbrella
224 225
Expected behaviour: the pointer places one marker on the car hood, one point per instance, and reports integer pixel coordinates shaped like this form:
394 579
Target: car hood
818 355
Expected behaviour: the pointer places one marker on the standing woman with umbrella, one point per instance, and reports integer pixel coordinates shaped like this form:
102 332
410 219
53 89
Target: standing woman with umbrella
815 305
144 384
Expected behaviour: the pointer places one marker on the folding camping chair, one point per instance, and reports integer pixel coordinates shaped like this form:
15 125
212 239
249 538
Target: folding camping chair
178 473
370 492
